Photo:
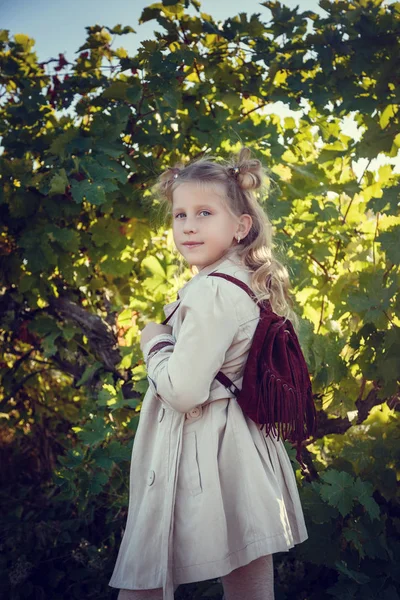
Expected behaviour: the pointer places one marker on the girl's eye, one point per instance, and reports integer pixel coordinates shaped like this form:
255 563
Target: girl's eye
204 210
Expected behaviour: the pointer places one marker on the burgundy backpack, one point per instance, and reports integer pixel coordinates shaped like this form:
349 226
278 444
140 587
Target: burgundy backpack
276 387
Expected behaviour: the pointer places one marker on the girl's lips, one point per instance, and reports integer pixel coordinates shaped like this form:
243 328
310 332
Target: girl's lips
193 245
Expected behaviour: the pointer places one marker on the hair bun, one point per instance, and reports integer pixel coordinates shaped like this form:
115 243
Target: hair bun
247 171
249 180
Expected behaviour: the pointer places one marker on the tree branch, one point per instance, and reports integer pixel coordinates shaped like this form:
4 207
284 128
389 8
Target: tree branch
102 338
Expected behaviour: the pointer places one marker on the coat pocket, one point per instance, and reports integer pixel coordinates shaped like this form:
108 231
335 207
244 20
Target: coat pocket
189 478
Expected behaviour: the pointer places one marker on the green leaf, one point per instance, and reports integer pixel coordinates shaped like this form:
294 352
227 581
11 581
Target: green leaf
118 452
152 264
73 458
110 149
24 41
353 535
134 93
94 431
105 232
363 491
116 90
390 242
121 30
59 182
48 344
388 202
91 192
98 481
68 239
103 169
356 576
319 511
338 490
43 325
141 386
148 14
63 143
89 372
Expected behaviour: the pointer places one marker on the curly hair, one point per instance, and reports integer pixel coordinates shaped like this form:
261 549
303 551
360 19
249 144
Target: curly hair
242 176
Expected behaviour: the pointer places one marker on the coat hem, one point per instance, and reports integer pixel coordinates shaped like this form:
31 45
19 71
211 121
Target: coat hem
240 558
136 589
120 582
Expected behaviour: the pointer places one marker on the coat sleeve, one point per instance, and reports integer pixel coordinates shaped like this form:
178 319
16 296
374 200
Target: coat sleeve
181 373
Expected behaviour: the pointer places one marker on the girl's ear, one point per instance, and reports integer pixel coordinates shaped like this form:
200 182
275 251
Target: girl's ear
245 223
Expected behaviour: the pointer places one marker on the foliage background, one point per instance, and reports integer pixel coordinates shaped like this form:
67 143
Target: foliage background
84 265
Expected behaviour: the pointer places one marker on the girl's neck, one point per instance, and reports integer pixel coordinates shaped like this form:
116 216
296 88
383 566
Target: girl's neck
231 253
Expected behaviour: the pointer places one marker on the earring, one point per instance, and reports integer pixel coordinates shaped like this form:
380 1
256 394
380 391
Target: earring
238 238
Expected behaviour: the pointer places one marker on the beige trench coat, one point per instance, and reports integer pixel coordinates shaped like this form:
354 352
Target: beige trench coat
208 491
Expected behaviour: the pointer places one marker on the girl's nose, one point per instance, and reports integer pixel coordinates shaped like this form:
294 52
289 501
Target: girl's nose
189 226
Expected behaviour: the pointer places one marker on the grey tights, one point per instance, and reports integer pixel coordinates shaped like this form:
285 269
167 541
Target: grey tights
254 581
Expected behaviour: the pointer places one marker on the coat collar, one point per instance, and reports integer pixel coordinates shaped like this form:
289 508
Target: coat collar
227 260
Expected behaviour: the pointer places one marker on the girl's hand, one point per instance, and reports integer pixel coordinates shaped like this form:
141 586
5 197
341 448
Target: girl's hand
151 330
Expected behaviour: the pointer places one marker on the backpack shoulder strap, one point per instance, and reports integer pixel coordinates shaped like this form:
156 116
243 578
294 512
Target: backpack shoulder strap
263 304
220 376
241 284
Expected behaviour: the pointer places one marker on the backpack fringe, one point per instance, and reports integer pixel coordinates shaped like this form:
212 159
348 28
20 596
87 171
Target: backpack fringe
275 403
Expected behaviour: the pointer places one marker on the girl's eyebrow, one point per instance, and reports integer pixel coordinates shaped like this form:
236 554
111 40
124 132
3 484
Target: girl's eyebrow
196 206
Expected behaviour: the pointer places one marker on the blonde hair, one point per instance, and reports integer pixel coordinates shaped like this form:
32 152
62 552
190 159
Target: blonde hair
241 176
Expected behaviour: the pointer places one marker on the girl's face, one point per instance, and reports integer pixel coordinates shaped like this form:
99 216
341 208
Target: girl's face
200 216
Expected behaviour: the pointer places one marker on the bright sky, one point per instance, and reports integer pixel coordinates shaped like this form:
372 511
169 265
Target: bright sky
59 27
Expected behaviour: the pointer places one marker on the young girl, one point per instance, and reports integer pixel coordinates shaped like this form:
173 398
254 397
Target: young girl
210 495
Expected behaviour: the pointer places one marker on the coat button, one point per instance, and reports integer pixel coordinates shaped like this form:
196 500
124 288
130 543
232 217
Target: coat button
195 412
150 478
161 414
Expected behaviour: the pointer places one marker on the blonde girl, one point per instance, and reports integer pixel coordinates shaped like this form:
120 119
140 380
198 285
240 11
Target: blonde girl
211 496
